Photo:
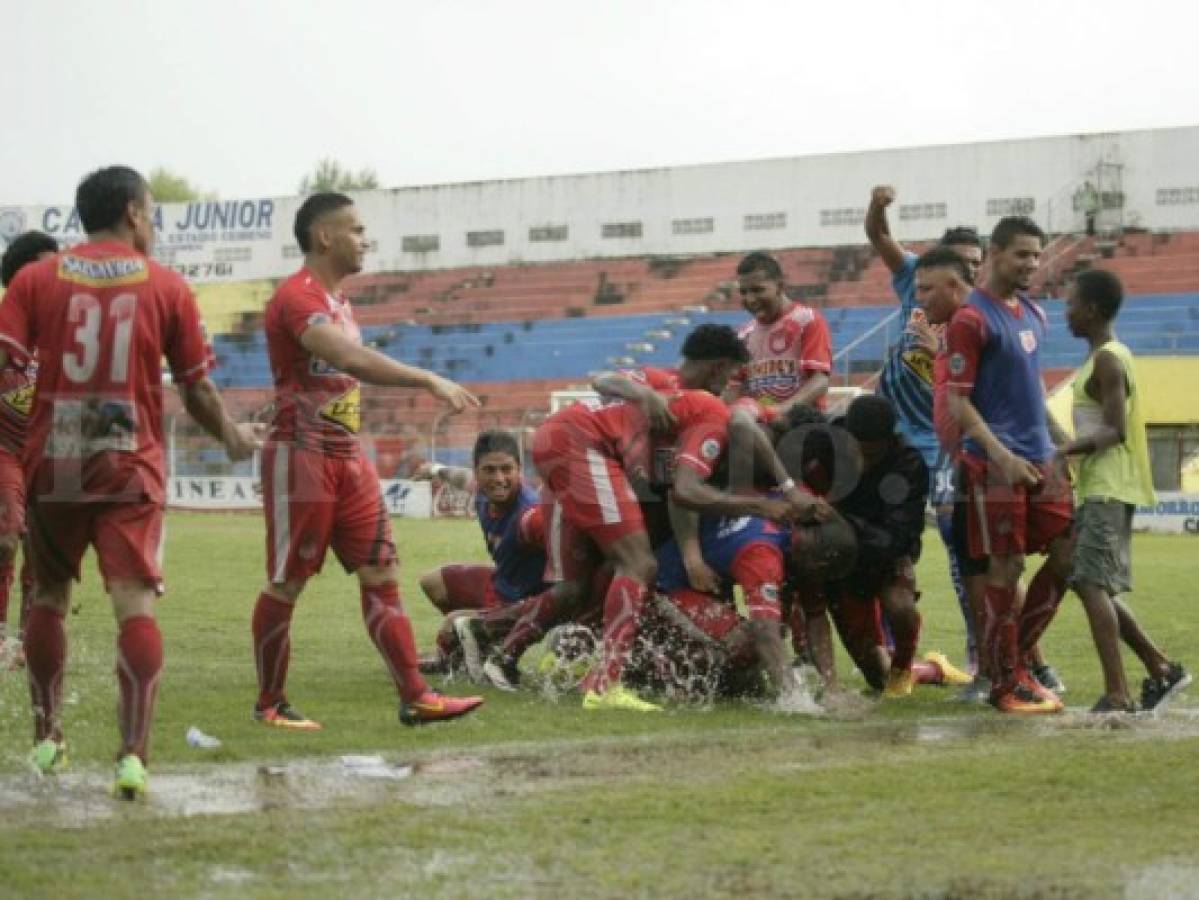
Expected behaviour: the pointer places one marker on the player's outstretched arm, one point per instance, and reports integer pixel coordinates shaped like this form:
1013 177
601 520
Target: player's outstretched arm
455 476
878 230
614 385
691 492
330 343
744 432
204 404
685 525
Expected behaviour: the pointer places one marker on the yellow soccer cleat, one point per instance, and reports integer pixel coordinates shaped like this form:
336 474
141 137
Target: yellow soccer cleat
950 674
49 757
618 697
130 782
899 683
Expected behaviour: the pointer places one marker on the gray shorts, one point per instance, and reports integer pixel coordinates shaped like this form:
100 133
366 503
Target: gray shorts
1103 548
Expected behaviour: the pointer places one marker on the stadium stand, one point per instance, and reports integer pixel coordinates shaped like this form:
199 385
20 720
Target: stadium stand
515 333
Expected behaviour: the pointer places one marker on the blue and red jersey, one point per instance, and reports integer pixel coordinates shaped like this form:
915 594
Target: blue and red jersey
907 375
515 541
993 352
721 541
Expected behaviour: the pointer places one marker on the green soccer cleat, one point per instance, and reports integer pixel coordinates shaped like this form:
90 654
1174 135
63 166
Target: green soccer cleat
130 783
618 697
49 757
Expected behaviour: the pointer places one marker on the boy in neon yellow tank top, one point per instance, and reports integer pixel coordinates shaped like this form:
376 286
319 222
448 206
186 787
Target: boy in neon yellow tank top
1114 478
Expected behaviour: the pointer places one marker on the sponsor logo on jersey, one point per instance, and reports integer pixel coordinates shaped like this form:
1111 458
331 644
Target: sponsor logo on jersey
920 364
957 364
1028 340
345 410
100 273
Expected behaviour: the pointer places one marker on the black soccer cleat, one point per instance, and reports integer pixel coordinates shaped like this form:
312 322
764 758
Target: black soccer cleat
1157 692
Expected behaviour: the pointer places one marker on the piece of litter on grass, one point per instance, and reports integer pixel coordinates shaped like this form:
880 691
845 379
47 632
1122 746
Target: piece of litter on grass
201 741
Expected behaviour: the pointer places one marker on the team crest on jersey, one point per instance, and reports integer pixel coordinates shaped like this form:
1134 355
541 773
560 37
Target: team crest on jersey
782 338
1028 340
20 400
710 449
345 410
957 364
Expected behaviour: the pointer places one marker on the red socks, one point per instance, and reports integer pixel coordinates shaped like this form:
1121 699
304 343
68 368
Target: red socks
622 611
45 660
271 626
391 631
1000 640
139 663
1045 593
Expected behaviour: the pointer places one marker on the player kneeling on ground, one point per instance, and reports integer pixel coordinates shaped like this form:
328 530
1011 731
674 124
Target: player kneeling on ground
509 515
881 486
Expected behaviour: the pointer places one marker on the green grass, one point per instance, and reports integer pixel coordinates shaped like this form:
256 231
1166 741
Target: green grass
530 797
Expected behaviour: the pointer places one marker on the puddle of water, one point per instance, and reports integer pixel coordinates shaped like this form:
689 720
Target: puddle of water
1178 881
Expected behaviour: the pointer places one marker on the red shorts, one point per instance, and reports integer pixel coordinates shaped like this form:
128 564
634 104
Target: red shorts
12 494
128 539
470 587
1004 520
570 553
590 487
314 502
713 618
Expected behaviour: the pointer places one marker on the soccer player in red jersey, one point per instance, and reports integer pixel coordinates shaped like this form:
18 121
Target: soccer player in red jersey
102 316
16 402
789 344
589 458
320 490
1020 500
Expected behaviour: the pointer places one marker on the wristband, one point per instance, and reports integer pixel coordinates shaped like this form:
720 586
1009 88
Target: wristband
787 485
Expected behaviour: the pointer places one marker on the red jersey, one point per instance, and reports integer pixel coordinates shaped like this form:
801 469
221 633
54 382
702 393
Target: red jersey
102 316
316 405
949 433
16 403
784 354
699 438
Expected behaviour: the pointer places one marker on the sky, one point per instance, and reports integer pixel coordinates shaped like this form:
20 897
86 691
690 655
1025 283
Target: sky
243 98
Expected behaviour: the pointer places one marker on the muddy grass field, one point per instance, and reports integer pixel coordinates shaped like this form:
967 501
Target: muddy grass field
534 797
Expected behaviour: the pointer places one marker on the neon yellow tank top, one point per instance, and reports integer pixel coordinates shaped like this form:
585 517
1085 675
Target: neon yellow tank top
1121 472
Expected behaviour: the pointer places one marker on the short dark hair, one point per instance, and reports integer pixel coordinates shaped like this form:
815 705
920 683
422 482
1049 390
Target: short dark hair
759 261
315 206
1102 290
1009 228
25 248
961 235
945 257
709 341
870 418
104 195
495 440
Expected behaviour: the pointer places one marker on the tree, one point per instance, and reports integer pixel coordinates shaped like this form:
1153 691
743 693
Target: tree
167 187
330 175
